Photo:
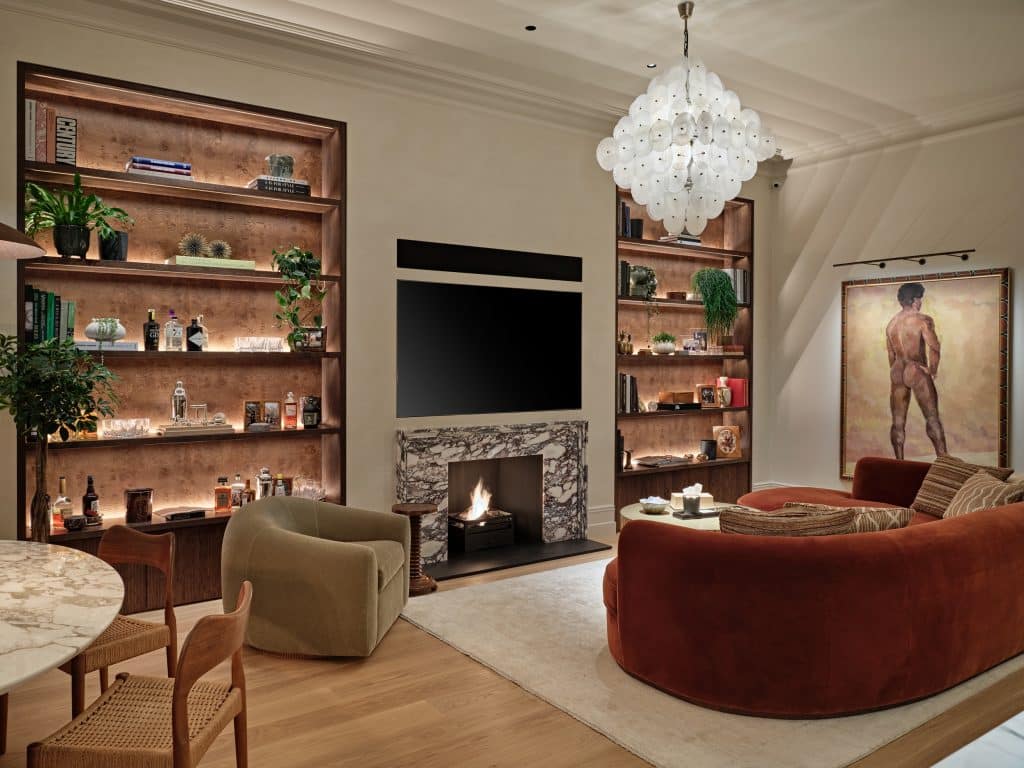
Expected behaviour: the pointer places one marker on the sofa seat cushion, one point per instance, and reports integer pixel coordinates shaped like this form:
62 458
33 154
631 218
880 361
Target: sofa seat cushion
776 498
390 559
923 517
865 519
792 521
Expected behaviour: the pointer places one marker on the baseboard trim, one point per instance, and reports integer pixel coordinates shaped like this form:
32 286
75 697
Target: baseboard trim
769 484
600 519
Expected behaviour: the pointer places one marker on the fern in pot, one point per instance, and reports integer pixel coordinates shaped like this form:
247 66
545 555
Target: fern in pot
720 305
301 298
72 214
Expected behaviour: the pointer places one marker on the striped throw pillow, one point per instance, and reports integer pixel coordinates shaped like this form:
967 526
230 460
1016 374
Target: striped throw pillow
791 522
982 491
866 519
944 479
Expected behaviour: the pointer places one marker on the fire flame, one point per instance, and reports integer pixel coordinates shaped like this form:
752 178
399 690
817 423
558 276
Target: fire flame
480 501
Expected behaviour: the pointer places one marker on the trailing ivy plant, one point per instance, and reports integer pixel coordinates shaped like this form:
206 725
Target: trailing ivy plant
52 388
719 296
46 208
303 293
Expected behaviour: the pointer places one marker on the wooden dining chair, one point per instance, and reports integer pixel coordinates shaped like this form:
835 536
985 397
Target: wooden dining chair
128 637
145 722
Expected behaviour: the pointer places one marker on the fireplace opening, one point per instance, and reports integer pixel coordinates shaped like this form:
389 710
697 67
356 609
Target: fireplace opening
494 503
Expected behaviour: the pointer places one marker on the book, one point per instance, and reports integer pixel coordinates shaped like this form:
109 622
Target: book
119 346
209 261
40 134
275 184
30 129
58 327
158 174
69 322
158 168
739 392
66 151
37 315
51 135
29 301
663 460
140 160
624 279
62 326
48 325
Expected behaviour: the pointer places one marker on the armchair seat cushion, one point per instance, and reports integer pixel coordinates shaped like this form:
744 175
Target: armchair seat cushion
390 559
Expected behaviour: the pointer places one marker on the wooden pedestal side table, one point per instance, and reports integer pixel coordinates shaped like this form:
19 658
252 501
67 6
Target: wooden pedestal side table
419 582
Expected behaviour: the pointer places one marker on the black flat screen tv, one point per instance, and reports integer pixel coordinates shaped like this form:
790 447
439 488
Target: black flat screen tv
483 349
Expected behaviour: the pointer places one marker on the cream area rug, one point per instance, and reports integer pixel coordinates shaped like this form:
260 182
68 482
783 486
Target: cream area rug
546 632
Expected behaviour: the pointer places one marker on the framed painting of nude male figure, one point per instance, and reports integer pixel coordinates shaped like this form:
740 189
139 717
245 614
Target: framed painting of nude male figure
925 368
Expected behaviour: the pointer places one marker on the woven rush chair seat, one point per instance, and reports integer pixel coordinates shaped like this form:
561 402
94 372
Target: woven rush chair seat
124 639
129 726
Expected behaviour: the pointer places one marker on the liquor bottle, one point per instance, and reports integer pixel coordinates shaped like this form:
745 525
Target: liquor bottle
222 495
280 489
195 336
264 483
172 333
237 491
310 412
249 494
62 507
179 404
151 333
206 332
291 411
91 500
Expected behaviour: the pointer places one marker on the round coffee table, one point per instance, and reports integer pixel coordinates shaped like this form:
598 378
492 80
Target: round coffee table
633 512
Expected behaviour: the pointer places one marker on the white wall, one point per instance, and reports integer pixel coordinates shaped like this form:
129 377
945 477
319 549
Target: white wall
961 190
419 167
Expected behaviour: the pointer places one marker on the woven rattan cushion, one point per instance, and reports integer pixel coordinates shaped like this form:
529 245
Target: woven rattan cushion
946 476
129 726
124 639
982 491
866 518
786 522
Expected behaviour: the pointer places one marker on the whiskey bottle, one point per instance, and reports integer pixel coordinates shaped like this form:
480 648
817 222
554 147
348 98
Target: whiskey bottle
222 495
179 404
195 336
91 500
249 494
62 507
291 411
280 488
172 333
310 412
151 333
237 492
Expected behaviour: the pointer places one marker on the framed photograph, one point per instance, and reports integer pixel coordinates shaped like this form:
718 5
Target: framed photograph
727 439
707 394
925 368
272 413
253 413
701 337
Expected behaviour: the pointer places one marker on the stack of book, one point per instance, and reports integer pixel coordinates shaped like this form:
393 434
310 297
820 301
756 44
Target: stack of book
152 166
49 138
683 238
740 283
627 396
281 184
47 316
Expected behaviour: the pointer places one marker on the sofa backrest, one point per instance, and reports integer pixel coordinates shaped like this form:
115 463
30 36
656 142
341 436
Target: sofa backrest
892 481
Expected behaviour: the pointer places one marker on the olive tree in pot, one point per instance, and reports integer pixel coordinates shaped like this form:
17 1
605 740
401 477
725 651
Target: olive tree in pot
72 215
720 307
301 298
51 388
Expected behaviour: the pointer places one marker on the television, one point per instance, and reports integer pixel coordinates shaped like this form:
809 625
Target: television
482 349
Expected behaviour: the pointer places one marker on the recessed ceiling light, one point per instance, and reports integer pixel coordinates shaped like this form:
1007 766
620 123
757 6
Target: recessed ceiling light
652 66
530 27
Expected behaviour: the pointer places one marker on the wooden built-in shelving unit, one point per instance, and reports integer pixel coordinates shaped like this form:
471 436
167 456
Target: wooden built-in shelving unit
728 241
227 144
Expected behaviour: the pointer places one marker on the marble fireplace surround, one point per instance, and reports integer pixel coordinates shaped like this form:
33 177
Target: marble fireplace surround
422 472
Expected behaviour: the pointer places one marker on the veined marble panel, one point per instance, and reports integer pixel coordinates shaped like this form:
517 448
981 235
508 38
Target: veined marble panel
422 473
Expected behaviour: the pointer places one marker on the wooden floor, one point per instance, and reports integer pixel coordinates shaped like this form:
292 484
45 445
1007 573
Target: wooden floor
419 702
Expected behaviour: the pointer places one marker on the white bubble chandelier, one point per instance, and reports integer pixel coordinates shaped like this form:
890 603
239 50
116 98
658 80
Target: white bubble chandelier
686 146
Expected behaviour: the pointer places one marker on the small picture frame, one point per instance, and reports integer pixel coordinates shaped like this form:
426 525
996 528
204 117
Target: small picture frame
272 413
253 413
702 338
707 394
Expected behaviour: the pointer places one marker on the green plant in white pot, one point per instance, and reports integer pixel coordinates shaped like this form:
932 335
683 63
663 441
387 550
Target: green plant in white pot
663 343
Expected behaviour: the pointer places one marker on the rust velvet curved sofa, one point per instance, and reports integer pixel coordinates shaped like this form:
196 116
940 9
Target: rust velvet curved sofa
818 626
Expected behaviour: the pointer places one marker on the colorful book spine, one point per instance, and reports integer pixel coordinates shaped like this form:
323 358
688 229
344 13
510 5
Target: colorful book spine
140 160
30 129
48 329
158 169
66 149
280 185
58 319
40 137
37 315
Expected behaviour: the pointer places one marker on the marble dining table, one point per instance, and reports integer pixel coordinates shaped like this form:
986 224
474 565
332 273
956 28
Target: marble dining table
54 601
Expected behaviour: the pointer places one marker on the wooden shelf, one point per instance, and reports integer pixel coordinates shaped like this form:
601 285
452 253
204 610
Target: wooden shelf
680 467
117 181
638 245
674 359
104 269
158 525
261 358
280 434
668 303
679 414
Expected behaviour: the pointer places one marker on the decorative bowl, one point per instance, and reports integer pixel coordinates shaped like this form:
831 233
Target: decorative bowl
654 505
664 347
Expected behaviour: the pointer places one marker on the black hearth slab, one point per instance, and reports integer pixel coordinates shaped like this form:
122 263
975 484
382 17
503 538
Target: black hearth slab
467 564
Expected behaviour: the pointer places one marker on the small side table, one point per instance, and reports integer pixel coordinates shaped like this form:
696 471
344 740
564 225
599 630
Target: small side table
419 582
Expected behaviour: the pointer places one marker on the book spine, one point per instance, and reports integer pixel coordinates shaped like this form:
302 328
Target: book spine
37 315
58 327
162 163
291 188
624 278
159 169
41 120
29 300
69 322
30 129
51 135
48 334
158 174
66 151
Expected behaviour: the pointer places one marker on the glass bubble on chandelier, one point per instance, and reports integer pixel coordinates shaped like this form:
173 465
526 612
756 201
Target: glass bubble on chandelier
685 148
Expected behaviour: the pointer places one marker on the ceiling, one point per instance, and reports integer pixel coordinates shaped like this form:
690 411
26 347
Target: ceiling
827 76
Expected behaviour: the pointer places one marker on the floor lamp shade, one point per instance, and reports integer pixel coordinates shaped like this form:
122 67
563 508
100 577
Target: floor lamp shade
16 245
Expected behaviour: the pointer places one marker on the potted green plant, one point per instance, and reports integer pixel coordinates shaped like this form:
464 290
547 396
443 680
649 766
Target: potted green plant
51 388
663 343
720 306
72 214
301 298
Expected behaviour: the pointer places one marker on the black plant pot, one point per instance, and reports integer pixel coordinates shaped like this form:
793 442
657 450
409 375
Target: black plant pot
71 240
114 248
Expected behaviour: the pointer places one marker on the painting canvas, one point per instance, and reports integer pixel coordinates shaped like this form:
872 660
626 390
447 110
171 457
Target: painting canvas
925 368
